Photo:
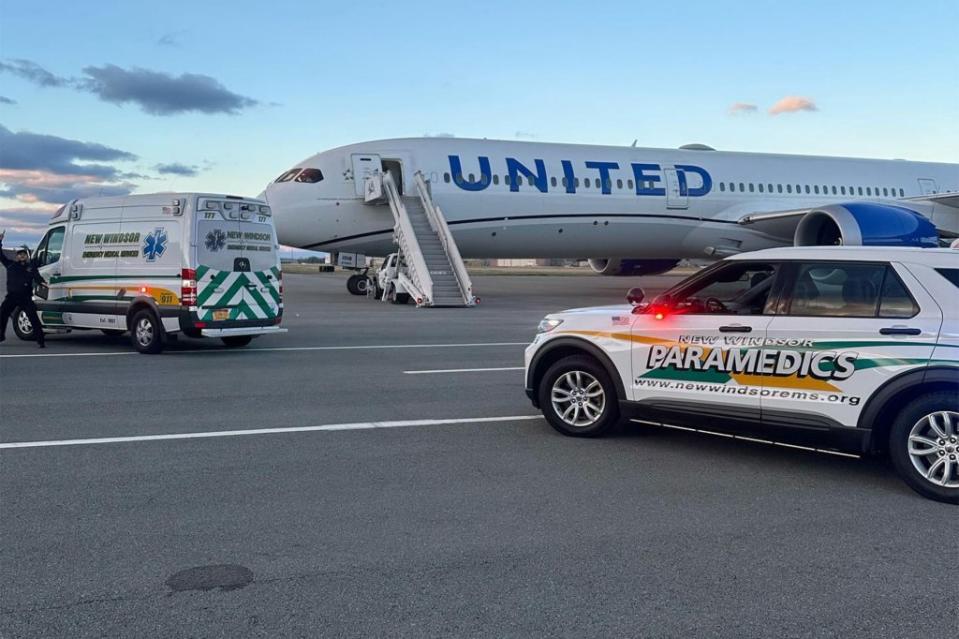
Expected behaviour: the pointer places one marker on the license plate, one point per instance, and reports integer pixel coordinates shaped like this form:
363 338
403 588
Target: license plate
221 314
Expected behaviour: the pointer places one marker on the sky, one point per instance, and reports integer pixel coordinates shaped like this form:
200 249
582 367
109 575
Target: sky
129 96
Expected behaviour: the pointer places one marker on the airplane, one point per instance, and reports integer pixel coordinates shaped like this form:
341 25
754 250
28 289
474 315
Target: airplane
628 210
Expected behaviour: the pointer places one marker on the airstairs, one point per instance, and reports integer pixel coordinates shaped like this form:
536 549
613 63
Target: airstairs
434 272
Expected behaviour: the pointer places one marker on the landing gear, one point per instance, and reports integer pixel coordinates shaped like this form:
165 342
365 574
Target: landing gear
358 284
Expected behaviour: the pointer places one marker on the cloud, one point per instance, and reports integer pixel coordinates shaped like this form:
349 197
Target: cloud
171 39
46 168
32 187
33 151
438 135
742 107
792 104
24 225
525 135
33 72
155 92
161 93
175 168
6 100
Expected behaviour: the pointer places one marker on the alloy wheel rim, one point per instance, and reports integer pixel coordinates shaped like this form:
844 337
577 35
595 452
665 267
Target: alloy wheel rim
578 398
23 323
933 447
144 332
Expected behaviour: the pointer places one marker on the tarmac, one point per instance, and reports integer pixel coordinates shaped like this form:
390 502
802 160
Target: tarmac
401 484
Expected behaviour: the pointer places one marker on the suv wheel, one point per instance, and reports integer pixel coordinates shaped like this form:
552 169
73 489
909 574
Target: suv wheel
578 398
924 446
146 332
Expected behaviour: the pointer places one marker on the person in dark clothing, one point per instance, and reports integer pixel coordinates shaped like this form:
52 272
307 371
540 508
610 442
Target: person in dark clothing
22 274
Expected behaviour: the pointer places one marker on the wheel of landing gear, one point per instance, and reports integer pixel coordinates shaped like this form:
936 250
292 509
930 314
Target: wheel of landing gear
353 284
402 298
22 326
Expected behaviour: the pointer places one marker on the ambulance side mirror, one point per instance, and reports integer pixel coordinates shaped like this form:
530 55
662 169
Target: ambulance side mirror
635 296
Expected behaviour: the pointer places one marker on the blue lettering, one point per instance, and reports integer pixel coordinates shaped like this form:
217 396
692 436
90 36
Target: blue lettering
604 168
682 169
457 170
514 167
569 176
639 172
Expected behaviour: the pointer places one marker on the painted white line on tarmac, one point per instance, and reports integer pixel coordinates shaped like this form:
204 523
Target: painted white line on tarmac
265 431
270 349
463 370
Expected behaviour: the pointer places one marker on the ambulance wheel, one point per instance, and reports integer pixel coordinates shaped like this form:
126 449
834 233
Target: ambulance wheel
146 332
924 445
22 326
578 397
237 340
112 332
357 284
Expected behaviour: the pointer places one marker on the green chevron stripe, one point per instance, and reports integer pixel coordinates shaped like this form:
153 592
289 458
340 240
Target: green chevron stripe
201 270
236 287
265 306
210 287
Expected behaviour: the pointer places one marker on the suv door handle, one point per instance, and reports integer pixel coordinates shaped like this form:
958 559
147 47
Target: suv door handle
900 330
735 328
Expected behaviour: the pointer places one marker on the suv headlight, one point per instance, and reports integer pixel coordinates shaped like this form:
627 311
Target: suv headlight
547 324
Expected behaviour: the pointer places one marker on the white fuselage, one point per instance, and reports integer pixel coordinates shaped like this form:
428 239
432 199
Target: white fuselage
525 199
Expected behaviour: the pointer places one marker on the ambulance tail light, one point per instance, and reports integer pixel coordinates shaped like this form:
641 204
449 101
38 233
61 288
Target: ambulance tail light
188 287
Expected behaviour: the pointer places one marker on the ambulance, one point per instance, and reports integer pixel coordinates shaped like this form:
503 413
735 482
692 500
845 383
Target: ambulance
160 265
851 349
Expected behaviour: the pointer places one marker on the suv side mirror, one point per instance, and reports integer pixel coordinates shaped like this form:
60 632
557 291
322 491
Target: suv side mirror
635 296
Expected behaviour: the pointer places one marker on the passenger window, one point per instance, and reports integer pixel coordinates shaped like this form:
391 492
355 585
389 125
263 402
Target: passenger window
842 190
816 189
902 192
729 288
807 188
742 187
310 176
896 301
619 184
552 181
779 188
761 188
752 187
52 247
629 184
837 289
446 178
564 183
495 178
586 182
722 186
506 180
789 188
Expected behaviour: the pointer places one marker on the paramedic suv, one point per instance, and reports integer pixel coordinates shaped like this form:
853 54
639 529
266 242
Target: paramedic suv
850 348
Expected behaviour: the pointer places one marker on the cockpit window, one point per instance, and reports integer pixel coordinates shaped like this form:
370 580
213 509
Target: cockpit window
286 177
310 176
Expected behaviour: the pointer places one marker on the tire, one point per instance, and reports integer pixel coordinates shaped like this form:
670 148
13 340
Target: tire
358 284
237 340
402 298
580 377
22 327
924 445
353 285
146 332
112 332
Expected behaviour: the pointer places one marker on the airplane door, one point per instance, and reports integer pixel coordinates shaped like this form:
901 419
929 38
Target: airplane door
676 197
364 166
927 186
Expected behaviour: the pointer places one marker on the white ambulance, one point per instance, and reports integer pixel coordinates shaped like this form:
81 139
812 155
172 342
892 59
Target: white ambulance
199 264
849 348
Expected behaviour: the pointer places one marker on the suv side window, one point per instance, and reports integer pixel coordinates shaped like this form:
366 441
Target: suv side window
732 288
896 301
849 289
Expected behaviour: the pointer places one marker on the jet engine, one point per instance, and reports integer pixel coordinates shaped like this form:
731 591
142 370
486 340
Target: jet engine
631 266
865 224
